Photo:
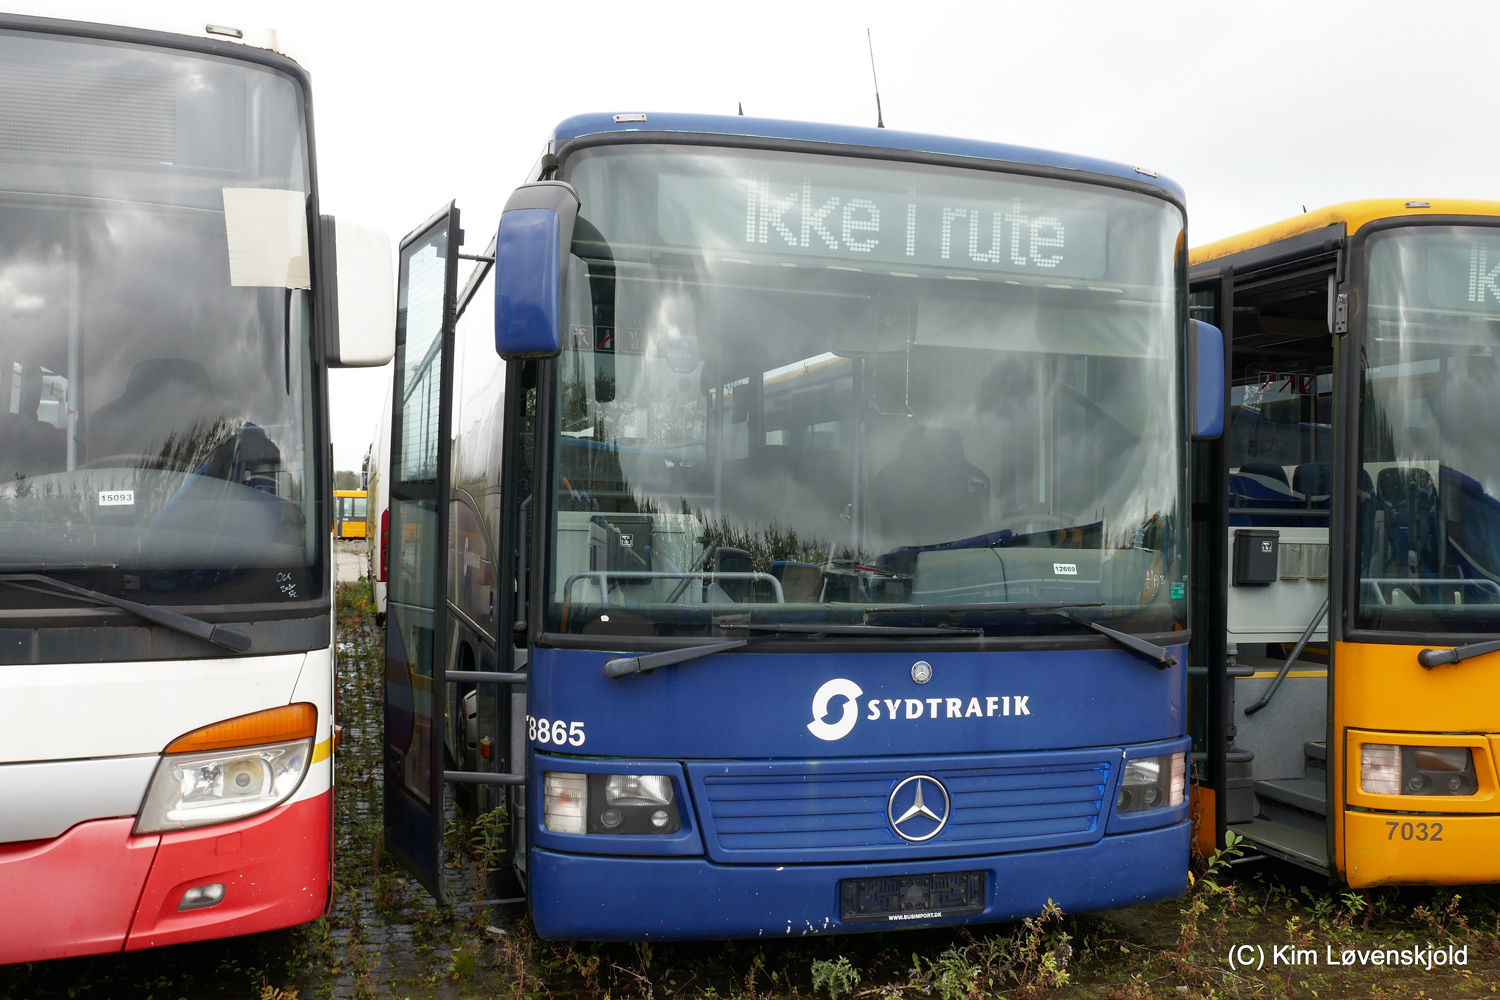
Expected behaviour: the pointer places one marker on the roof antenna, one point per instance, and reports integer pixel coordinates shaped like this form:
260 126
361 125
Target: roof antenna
1304 207
742 108
879 118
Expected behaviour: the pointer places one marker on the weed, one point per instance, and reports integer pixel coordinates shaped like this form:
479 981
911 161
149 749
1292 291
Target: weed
1207 896
463 963
837 977
1043 952
954 976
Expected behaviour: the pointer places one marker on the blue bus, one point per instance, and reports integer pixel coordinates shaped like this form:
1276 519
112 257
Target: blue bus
792 539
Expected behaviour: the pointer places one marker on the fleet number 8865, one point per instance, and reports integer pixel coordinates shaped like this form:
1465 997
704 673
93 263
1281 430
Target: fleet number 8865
556 732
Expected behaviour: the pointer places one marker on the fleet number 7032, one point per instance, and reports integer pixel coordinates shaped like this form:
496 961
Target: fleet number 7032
1414 831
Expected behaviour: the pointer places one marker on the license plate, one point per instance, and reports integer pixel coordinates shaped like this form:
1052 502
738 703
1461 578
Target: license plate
912 897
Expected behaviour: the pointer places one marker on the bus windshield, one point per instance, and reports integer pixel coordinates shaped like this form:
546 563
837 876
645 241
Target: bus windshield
1429 485
796 387
156 377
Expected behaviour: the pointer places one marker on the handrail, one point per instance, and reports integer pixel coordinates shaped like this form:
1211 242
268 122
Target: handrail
1312 627
1376 582
605 575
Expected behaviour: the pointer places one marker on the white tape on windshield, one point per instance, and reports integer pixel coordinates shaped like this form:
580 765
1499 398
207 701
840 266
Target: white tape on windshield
267 232
117 498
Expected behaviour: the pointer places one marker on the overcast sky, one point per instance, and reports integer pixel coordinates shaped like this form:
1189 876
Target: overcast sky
1257 109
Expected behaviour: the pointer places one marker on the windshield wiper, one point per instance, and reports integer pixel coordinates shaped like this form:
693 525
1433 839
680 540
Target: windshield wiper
1430 658
1063 609
622 665
1150 650
220 635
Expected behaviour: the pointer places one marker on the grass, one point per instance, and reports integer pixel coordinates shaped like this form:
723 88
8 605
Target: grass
384 938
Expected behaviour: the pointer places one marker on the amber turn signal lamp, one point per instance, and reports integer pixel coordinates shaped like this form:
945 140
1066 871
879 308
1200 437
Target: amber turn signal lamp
274 725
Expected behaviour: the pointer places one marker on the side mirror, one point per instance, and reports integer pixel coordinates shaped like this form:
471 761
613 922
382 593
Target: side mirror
536 233
1205 397
358 302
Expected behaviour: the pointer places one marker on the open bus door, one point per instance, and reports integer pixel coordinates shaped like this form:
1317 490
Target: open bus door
1264 556
1210 671
423 753
415 609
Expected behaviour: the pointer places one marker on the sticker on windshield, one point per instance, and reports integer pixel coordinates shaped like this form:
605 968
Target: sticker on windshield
1064 569
117 498
682 354
267 234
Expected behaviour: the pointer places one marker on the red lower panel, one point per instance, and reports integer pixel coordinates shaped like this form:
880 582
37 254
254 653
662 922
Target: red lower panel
74 894
274 869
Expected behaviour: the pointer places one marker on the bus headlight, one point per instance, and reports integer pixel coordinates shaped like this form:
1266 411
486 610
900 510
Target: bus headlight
609 803
1152 783
230 770
1386 769
202 789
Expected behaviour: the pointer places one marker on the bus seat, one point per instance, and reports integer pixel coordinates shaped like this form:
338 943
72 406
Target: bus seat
1368 506
1408 496
1390 484
930 493
801 583
162 396
728 559
1270 470
1259 496
788 486
28 445
1311 480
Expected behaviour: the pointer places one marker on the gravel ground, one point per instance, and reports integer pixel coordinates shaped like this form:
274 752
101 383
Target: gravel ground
350 562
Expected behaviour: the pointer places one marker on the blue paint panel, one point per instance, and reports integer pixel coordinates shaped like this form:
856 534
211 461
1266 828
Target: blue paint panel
880 138
528 286
760 705
579 897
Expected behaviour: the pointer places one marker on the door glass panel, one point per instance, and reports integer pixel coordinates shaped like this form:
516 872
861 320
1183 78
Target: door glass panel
414 623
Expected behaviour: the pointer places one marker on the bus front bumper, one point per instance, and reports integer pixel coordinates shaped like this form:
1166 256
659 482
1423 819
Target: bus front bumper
600 898
97 889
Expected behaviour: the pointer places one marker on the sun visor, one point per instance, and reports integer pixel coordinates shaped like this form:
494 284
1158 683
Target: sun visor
267 231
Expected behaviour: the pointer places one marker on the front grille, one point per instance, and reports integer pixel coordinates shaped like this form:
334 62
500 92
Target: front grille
821 810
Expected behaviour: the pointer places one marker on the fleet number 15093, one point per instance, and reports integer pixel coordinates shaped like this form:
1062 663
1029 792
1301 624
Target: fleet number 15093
556 731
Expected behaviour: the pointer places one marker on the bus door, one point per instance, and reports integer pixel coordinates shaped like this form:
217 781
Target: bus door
415 608
1264 552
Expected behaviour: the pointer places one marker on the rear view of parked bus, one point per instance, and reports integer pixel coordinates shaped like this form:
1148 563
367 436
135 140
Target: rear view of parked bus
842 473
168 294
1351 718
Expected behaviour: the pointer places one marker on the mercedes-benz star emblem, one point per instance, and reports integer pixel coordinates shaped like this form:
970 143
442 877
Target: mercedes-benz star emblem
919 808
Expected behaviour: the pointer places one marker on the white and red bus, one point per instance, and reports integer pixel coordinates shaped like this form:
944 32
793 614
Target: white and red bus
169 310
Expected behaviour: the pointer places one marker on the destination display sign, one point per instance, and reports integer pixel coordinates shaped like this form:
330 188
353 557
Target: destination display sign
836 214
1465 273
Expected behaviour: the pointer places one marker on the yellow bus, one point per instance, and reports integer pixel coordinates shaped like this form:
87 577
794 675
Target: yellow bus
350 514
1346 712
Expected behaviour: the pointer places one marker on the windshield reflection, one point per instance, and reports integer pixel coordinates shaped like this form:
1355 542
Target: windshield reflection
1429 483
757 434
155 368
